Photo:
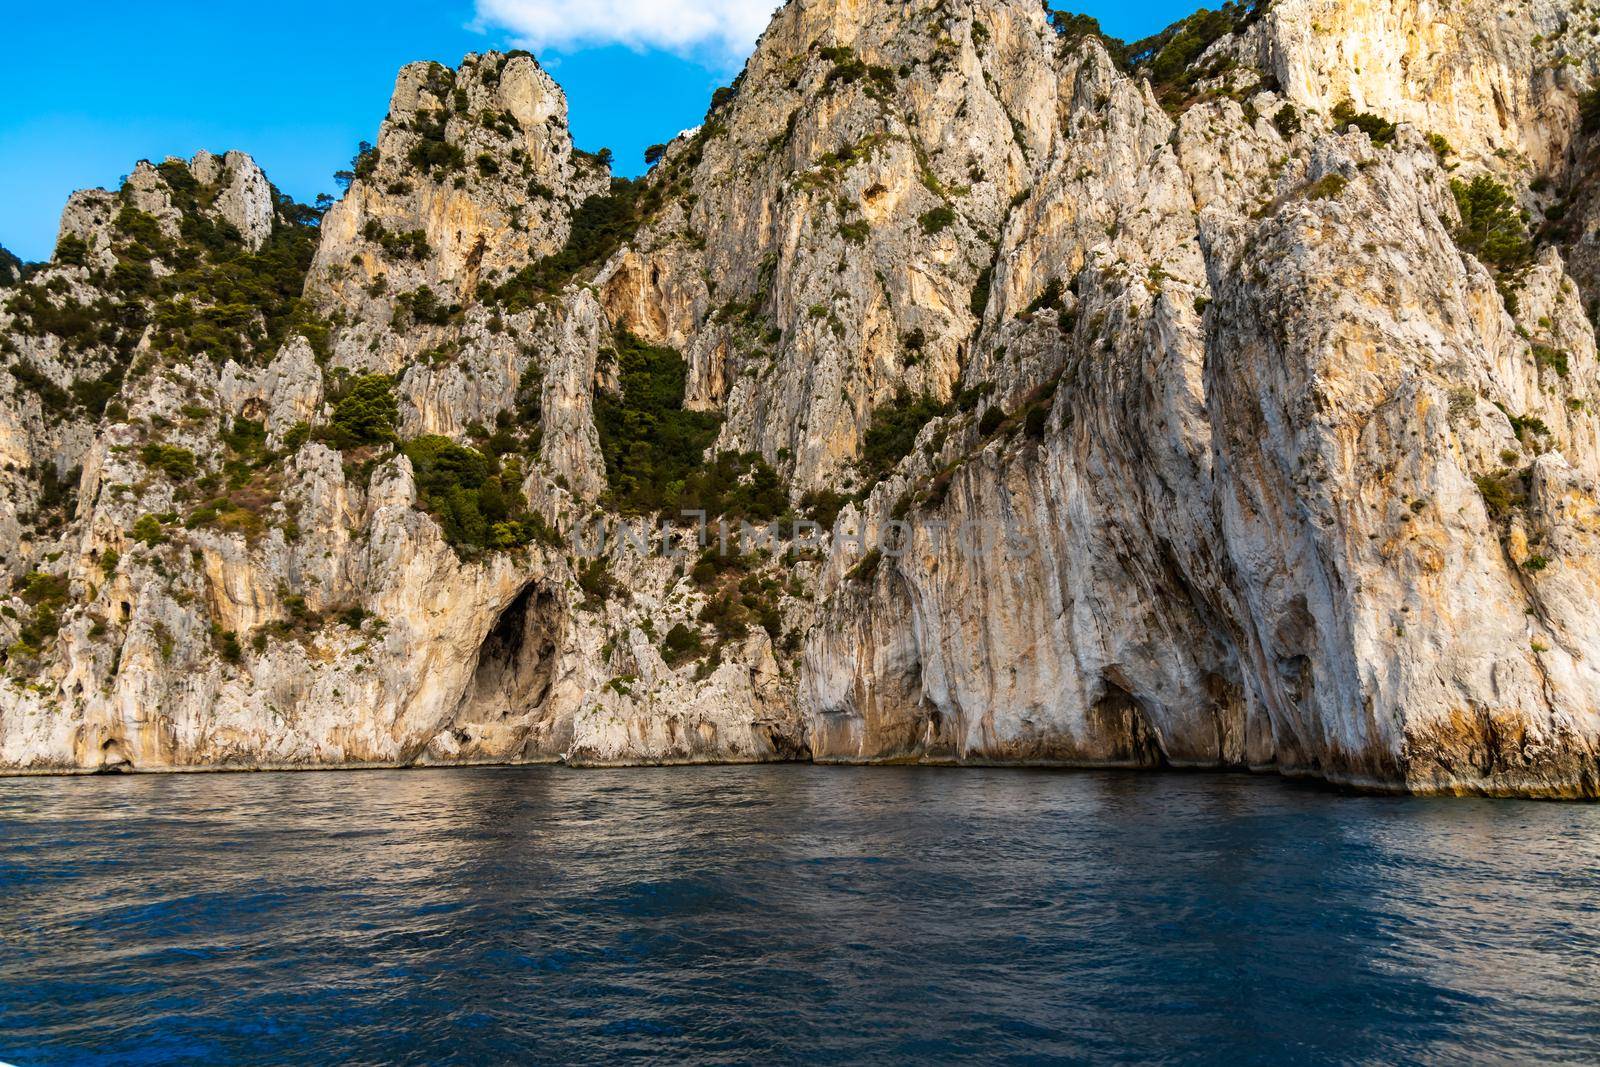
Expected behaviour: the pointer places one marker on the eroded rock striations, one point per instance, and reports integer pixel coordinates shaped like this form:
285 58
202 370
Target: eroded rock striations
1228 400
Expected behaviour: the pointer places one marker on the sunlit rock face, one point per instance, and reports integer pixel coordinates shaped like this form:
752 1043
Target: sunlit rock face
1232 405
473 171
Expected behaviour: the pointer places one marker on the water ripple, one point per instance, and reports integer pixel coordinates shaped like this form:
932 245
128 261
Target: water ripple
788 914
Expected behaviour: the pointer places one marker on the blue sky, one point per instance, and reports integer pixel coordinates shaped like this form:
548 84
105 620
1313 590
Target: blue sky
95 87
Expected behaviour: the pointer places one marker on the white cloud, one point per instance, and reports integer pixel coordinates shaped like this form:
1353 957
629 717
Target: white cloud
723 31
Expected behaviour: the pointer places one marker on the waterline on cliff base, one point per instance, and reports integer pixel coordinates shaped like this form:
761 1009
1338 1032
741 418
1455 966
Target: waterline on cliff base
787 913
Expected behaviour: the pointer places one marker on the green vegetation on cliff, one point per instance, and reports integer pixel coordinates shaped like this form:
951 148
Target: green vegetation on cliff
651 444
1168 54
232 303
10 267
362 167
46 595
48 309
1168 59
1379 130
365 413
655 449
893 432
475 497
1494 228
1074 28
1589 109
737 486
213 295
599 227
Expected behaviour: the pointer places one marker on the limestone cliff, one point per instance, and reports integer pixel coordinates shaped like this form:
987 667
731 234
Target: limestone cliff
1223 401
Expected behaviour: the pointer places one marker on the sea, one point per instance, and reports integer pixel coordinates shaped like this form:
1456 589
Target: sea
788 914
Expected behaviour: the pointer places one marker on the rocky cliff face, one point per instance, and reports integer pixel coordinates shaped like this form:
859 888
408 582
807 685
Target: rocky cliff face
1227 404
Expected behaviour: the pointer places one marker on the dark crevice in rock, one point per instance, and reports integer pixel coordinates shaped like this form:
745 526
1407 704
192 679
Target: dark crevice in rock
114 758
1121 723
517 661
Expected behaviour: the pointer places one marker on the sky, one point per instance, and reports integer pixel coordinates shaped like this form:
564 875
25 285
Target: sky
93 88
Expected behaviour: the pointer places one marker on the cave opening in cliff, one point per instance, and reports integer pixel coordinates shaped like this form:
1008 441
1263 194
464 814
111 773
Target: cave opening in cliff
516 662
1122 722
114 757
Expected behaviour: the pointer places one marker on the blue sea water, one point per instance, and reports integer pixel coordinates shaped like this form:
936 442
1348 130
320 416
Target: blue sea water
786 914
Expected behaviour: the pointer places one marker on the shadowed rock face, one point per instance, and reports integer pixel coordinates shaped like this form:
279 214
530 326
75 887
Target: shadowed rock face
1272 459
